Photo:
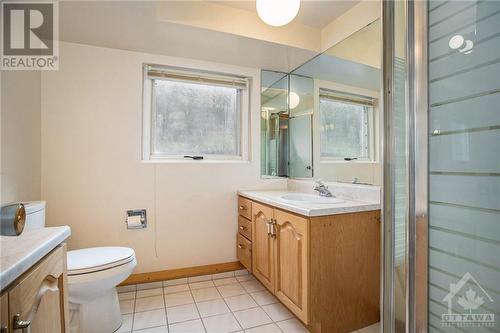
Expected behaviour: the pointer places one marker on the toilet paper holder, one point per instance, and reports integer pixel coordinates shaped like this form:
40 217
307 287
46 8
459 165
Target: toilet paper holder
134 216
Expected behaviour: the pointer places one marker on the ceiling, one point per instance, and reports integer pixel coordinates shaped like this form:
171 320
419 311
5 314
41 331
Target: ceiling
312 13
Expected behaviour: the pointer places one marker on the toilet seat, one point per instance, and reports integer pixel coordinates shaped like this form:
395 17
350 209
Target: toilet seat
96 259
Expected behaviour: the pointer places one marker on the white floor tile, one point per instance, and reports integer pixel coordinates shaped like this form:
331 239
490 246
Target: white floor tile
277 312
243 278
240 302
176 299
264 298
292 326
176 288
126 289
175 282
150 285
221 324
127 306
193 326
126 296
149 319
252 286
375 328
231 290
225 281
222 275
161 329
126 324
252 318
202 284
182 313
205 294
149 303
149 292
241 272
212 308
200 278
270 328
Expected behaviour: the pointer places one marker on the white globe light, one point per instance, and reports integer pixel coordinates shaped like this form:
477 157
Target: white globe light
456 42
277 12
293 100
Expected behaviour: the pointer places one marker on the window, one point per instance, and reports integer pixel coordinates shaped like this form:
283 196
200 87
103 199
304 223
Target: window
190 114
346 130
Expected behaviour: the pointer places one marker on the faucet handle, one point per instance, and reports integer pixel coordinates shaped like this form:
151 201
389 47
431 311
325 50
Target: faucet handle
319 183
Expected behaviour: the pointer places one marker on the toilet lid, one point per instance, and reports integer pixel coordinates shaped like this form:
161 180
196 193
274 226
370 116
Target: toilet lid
98 258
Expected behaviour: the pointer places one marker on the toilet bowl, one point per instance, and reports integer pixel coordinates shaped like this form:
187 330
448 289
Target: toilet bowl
93 275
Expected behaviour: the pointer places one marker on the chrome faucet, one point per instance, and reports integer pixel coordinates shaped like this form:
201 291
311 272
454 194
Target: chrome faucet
322 189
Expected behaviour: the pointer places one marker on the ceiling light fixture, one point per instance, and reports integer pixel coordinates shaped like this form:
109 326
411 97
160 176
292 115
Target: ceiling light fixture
277 12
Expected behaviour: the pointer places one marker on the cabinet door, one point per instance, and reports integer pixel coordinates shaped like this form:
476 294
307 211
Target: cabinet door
292 263
41 296
4 313
262 247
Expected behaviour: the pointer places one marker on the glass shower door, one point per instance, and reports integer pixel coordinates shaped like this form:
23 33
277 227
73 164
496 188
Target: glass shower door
464 166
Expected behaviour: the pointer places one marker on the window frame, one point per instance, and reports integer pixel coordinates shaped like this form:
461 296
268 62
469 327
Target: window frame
149 105
370 117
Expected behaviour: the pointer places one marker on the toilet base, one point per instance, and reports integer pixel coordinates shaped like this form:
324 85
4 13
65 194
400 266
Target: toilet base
101 315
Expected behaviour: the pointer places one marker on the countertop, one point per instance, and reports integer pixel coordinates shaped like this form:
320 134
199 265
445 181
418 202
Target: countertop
20 253
272 198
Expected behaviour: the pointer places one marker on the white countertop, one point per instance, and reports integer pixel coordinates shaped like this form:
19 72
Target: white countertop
272 198
19 253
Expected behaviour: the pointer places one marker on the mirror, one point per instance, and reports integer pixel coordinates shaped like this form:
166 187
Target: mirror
322 120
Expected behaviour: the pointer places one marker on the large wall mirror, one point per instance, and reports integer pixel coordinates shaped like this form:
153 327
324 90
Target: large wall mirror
322 120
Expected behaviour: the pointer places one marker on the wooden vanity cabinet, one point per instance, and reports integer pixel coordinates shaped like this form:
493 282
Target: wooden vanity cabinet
263 249
326 270
38 299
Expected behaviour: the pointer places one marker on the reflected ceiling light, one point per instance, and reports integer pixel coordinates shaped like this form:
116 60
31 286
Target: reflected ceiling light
459 43
293 100
277 12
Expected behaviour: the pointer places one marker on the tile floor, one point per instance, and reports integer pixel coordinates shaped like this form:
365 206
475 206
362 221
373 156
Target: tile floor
219 303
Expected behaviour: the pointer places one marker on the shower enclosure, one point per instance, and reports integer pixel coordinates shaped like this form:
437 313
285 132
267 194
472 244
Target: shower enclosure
442 166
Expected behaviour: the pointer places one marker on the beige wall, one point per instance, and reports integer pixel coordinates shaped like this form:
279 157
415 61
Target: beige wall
92 172
20 136
351 21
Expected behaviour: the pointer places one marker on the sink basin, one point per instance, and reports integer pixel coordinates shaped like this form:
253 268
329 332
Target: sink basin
309 198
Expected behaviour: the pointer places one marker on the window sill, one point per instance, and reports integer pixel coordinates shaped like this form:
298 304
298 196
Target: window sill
190 161
348 162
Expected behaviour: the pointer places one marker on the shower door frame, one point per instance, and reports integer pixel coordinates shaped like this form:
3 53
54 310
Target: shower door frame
416 109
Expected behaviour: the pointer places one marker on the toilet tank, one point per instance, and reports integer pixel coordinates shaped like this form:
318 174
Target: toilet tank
35 215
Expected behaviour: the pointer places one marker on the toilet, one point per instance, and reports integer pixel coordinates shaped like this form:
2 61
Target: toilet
93 274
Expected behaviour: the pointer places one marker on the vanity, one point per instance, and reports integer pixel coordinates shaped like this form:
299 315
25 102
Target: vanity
320 258
33 278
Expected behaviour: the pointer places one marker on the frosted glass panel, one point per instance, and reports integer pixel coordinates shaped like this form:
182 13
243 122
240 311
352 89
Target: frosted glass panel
464 166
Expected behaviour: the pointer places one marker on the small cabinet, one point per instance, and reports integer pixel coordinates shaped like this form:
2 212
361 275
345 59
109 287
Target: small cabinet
291 257
244 252
37 301
262 255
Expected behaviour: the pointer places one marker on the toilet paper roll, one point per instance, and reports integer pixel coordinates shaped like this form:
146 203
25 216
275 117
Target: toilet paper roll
134 222
12 219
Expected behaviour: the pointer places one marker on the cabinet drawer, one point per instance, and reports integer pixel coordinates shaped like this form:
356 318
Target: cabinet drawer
244 250
245 207
245 227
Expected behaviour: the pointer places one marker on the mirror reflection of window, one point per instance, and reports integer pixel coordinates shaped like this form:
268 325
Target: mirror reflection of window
346 126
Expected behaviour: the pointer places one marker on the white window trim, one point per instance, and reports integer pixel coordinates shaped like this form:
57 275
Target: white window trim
374 127
147 111
371 143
